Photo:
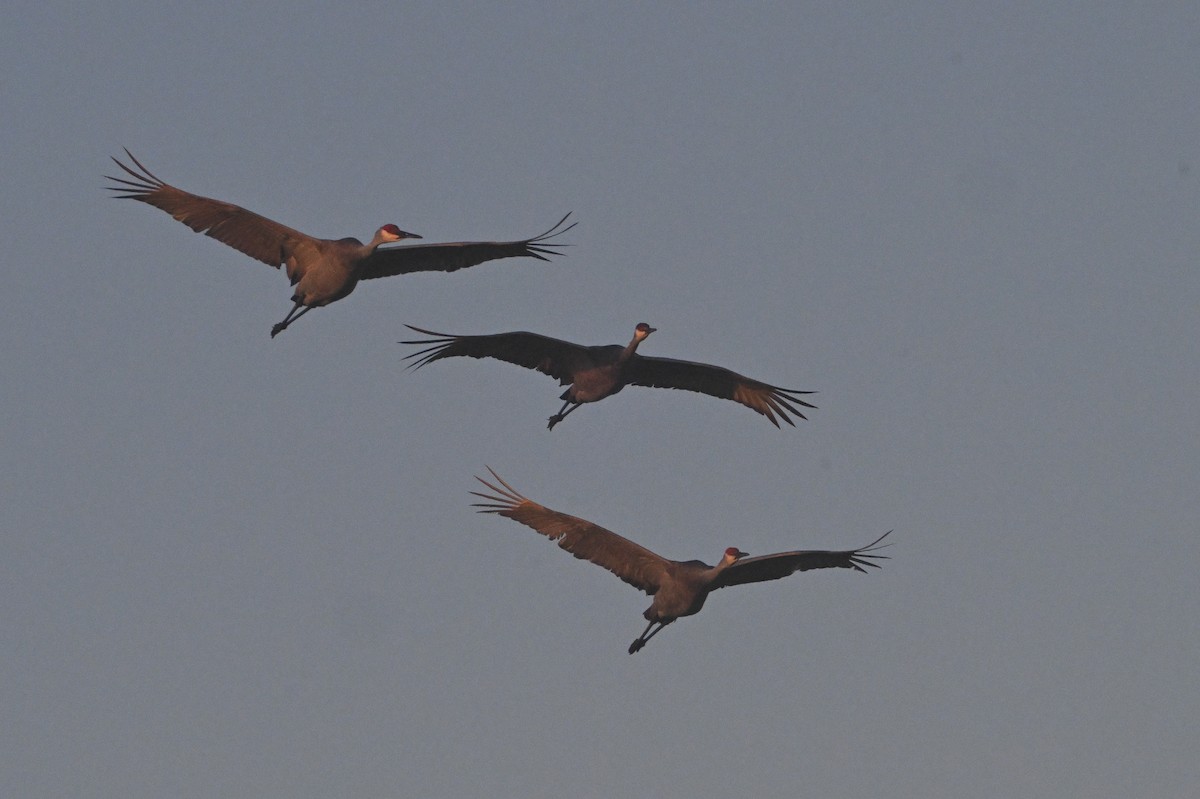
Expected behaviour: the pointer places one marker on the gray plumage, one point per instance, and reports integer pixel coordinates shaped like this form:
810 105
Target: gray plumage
679 588
320 270
594 373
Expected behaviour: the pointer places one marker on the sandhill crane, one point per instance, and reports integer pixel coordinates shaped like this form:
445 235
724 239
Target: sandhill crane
679 588
594 373
321 270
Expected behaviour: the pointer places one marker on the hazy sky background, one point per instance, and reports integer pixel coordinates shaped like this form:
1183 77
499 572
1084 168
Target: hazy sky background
233 566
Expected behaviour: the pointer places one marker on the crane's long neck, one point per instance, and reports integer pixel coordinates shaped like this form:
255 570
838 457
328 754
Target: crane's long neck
352 253
630 348
727 560
374 243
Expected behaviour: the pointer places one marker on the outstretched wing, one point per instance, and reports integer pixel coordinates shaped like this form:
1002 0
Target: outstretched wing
459 255
263 239
559 359
634 564
770 401
781 564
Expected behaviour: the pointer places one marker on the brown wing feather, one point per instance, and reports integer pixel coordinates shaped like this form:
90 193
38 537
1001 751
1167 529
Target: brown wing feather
781 564
716 381
631 562
459 255
554 357
263 239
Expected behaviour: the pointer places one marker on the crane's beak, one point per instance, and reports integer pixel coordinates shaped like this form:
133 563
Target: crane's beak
406 235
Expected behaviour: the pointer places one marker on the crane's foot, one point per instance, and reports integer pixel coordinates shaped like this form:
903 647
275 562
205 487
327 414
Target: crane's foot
636 645
555 419
277 329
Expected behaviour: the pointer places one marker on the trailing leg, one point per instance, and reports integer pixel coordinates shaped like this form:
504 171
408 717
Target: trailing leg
291 317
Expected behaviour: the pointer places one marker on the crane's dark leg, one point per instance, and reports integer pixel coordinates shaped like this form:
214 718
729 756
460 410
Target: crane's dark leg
562 414
643 638
291 317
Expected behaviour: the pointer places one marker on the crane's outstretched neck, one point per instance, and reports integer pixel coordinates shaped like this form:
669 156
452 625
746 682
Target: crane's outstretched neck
732 555
639 335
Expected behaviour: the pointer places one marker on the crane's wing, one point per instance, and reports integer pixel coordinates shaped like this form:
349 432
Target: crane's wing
263 239
530 350
634 564
781 564
459 255
770 401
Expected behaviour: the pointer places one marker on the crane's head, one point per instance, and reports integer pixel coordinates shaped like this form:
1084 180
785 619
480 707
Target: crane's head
392 233
733 554
642 330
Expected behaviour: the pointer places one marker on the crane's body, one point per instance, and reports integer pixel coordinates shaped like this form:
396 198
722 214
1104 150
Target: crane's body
602 373
679 588
321 271
593 373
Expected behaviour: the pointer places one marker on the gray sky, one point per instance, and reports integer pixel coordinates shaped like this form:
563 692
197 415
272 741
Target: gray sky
237 566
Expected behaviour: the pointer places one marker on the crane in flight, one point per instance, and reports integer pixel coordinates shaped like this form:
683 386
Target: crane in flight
679 588
593 373
321 271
